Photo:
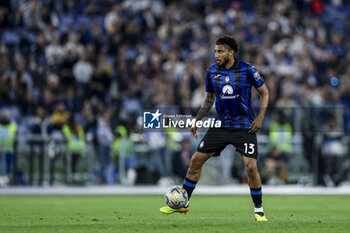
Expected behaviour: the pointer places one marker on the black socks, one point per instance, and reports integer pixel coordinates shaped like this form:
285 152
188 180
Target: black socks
189 186
256 194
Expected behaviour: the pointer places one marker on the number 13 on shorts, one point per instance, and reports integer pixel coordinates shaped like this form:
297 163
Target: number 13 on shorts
249 148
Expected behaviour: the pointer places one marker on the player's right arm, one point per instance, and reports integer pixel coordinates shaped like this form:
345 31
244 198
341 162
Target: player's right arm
208 103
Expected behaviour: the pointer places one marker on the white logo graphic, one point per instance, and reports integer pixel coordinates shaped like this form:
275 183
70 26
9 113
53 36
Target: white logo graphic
156 115
229 97
201 145
227 90
257 76
227 79
217 76
157 120
151 120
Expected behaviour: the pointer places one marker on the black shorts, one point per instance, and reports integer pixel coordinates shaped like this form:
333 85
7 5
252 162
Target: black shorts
216 139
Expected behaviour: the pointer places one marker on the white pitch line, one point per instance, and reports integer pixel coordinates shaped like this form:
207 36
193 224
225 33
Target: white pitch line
160 190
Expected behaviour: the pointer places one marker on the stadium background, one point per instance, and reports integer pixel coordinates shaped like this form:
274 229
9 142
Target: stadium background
99 63
104 62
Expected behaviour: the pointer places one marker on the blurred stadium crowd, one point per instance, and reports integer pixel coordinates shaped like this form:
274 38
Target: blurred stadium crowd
80 63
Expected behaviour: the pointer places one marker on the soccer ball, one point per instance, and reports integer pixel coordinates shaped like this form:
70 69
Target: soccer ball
176 197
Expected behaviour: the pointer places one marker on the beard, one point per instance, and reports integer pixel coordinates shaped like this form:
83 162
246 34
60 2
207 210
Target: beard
224 62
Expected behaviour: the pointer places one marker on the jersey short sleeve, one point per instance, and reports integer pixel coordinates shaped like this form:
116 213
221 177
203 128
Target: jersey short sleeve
209 84
255 77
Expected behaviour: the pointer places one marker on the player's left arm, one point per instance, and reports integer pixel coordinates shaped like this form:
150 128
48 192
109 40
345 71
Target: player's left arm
264 101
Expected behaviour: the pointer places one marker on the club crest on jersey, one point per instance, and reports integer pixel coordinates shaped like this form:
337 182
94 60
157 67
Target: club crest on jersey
227 79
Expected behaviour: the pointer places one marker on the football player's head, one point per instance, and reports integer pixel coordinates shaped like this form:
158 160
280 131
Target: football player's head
225 49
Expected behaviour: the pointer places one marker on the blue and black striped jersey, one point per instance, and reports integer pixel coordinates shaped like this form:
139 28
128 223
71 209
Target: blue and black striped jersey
233 92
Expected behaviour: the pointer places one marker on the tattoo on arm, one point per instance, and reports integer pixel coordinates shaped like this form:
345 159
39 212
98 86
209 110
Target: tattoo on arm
192 173
208 103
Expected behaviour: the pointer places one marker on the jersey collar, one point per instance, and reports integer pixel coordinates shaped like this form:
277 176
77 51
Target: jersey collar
234 66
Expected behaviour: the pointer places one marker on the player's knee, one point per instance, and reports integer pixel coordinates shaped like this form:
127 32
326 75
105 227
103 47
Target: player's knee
251 168
197 160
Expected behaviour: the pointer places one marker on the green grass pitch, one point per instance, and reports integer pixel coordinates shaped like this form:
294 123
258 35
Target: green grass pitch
231 213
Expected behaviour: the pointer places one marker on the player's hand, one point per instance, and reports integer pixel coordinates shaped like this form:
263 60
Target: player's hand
193 131
256 125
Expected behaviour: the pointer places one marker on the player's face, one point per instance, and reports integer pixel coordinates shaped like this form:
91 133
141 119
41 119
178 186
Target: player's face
222 54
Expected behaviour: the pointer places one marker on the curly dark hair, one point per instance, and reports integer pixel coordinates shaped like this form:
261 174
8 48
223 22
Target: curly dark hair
229 41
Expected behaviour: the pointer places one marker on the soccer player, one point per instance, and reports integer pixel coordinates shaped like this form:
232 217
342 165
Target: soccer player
229 82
